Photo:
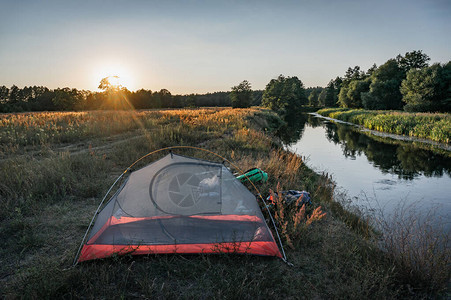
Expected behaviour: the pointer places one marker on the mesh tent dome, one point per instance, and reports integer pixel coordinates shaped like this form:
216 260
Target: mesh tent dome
180 205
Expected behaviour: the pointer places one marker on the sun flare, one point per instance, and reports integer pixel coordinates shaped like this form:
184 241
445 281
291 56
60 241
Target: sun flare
117 76
115 81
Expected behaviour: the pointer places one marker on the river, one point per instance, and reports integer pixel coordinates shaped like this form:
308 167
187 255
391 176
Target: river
376 174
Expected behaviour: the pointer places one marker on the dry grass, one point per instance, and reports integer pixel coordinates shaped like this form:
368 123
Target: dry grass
293 220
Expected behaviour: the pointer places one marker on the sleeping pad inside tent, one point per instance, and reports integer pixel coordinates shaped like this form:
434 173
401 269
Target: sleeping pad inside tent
180 205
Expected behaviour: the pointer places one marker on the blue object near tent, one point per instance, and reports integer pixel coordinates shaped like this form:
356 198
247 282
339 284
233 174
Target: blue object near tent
291 196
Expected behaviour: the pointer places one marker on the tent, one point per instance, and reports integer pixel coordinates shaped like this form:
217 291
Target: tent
180 204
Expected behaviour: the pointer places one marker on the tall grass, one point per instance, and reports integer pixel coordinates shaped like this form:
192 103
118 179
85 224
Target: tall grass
419 245
433 126
19 131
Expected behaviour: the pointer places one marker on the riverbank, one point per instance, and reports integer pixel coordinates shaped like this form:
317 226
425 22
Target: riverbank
59 165
433 126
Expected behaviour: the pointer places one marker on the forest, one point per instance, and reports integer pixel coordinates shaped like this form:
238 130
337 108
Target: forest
407 82
40 98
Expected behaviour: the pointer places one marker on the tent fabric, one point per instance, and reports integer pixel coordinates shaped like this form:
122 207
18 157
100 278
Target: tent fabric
180 205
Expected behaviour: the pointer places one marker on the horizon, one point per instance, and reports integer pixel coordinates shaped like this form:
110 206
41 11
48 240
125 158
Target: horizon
205 47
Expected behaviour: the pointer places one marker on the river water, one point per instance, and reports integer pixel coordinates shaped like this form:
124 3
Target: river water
375 173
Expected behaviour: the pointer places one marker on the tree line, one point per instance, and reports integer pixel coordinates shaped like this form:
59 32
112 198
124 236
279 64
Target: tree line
40 98
406 82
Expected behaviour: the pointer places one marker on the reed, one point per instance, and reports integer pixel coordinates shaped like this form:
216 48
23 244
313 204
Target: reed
433 126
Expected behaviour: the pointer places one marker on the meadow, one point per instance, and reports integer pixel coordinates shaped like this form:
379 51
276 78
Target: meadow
56 167
433 126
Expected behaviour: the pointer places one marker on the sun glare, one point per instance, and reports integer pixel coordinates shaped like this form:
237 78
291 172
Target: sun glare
115 81
117 76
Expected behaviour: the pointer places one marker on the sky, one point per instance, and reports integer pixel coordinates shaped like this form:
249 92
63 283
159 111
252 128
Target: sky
206 46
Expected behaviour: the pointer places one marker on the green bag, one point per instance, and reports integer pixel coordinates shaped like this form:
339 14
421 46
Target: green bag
254 175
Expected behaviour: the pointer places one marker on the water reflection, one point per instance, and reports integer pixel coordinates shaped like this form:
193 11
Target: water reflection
293 128
405 160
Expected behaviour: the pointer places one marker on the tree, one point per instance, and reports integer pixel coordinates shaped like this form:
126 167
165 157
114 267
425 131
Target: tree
4 94
14 94
371 70
384 88
115 95
271 95
165 98
38 101
353 74
428 89
412 60
43 99
352 85
241 95
257 96
355 90
350 95
313 98
156 100
332 93
337 83
107 84
4 98
68 99
94 101
284 94
141 99
177 101
343 99
322 98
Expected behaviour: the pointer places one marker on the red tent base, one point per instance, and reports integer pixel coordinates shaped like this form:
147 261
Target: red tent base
257 248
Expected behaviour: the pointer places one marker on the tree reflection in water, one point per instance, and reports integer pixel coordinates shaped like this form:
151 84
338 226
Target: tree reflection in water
293 128
390 156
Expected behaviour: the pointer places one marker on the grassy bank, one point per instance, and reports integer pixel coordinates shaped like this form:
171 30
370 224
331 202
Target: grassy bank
55 167
433 126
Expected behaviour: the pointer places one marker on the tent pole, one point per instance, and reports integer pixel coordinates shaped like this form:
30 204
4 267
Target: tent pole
277 231
95 215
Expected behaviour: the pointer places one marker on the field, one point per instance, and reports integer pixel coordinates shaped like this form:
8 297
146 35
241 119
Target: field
433 126
56 167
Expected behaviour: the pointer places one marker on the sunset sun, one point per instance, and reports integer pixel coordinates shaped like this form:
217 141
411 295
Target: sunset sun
115 81
117 76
